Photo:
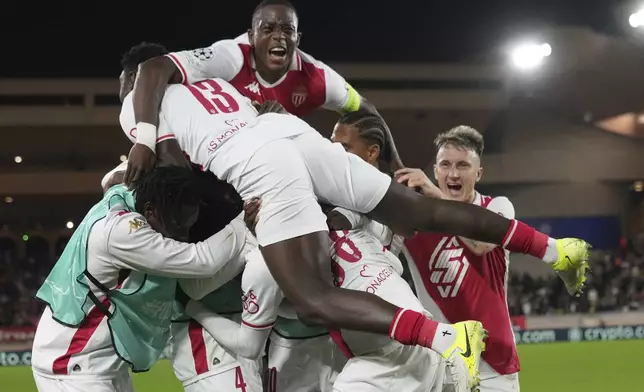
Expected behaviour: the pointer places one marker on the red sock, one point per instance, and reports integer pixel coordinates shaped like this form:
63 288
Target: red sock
410 327
522 238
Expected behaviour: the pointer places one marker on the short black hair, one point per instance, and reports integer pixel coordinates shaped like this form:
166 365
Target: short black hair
140 53
267 3
167 189
372 128
462 136
219 204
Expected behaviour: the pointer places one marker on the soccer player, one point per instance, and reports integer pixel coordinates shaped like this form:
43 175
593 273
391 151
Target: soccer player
110 296
198 360
282 160
457 278
263 64
361 263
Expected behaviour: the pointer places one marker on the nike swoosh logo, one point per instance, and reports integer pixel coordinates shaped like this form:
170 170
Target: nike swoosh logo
468 349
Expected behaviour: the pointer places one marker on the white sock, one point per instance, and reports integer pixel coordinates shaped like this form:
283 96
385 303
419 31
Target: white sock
444 338
551 254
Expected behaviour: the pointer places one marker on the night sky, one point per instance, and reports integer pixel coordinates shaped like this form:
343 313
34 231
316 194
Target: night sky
86 39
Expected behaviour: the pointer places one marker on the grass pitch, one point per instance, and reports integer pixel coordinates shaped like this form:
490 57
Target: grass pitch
555 367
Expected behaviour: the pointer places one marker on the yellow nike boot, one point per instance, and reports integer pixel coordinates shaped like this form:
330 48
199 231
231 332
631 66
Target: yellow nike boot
572 263
464 356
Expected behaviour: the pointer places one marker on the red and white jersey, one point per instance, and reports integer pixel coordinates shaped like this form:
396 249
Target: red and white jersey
455 284
214 124
306 86
361 261
123 241
196 354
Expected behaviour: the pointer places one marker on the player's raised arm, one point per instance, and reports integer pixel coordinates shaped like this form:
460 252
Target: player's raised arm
222 60
343 98
150 68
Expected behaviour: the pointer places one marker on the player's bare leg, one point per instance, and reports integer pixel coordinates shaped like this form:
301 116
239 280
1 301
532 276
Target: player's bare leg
302 269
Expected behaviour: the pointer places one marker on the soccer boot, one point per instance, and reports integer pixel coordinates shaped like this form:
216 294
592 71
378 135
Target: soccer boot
572 264
464 356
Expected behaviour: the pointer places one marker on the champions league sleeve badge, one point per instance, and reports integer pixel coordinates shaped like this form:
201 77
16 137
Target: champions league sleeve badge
203 54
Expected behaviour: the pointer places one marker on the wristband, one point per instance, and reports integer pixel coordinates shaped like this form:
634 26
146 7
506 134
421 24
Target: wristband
146 134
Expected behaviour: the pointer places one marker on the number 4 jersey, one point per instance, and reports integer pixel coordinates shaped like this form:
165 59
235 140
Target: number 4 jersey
455 284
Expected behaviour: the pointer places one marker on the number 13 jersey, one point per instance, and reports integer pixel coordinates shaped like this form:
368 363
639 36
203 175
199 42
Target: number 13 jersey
213 123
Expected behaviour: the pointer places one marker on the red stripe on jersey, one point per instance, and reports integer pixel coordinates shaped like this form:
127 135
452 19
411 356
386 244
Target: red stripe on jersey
164 137
198 346
86 330
262 326
81 338
337 338
175 60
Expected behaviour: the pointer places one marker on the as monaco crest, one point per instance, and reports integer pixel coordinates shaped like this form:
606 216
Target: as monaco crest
299 96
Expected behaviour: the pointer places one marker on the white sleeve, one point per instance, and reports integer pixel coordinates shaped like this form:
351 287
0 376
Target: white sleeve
128 124
340 96
381 232
223 59
241 340
502 206
134 245
262 296
121 167
356 219
199 288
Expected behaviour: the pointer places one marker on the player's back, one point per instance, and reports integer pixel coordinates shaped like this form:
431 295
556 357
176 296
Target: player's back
217 126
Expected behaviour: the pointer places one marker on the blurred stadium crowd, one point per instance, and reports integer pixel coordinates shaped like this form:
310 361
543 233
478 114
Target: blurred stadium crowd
616 284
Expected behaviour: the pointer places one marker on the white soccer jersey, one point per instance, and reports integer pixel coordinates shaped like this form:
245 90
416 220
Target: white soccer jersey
197 356
260 302
124 241
213 123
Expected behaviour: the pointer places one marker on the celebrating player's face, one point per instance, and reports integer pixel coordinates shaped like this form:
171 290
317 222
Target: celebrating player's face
274 37
457 171
348 136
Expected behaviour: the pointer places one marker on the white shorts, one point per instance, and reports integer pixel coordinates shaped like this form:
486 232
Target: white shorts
395 368
290 174
302 365
119 383
501 383
243 378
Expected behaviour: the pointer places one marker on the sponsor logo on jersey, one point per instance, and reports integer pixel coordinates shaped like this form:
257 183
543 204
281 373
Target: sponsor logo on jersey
136 224
448 266
235 125
382 276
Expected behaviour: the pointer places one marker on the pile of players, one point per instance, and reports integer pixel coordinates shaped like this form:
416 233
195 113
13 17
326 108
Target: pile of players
236 230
